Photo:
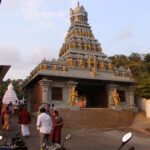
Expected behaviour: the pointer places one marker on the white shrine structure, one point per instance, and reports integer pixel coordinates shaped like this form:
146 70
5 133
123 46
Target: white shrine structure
10 96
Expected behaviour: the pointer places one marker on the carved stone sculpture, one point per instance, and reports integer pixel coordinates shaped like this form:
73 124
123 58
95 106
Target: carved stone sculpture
110 67
73 96
116 98
81 64
89 63
102 66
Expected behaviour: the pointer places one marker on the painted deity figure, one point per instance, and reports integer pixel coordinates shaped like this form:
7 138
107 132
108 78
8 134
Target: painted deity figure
89 63
70 62
116 98
80 45
102 66
41 67
64 68
123 74
45 66
55 67
73 96
81 64
95 63
85 46
110 67
116 73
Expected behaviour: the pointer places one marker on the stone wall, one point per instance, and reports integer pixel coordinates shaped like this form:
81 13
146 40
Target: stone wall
36 97
96 118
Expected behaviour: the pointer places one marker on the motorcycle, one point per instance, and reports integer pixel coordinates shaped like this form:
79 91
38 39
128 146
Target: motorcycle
16 143
125 139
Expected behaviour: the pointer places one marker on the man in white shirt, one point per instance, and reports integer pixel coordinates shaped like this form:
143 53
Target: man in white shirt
44 125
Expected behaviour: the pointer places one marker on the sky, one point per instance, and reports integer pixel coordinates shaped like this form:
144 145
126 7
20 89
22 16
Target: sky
31 30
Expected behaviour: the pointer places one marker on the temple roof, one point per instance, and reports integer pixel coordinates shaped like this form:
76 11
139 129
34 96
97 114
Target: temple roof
81 56
79 37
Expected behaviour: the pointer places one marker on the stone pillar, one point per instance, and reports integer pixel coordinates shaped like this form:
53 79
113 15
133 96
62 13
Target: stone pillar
110 89
70 85
46 92
131 101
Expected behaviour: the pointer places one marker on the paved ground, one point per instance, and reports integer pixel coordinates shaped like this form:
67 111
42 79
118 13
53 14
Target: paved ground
141 123
92 139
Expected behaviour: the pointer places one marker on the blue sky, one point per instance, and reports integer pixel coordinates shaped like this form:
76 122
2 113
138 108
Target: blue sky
33 29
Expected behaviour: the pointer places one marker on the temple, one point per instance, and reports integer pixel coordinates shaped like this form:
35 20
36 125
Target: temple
81 73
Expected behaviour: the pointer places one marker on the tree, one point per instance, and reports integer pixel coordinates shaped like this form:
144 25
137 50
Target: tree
147 58
135 57
144 86
140 68
119 60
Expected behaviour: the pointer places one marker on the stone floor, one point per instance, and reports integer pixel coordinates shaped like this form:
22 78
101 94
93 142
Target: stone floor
92 139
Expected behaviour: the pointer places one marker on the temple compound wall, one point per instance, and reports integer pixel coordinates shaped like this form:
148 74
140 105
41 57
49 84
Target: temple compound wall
97 118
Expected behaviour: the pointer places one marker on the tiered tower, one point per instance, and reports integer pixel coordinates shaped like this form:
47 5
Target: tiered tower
80 48
80 68
80 39
80 52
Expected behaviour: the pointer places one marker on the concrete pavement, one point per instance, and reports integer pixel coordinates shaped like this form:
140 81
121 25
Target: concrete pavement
87 139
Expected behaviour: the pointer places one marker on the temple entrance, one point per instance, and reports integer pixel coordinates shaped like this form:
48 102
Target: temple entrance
96 96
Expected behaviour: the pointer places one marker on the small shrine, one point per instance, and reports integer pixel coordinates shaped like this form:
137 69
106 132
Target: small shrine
10 96
82 75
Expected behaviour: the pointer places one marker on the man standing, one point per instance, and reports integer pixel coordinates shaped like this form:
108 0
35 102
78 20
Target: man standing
24 120
44 125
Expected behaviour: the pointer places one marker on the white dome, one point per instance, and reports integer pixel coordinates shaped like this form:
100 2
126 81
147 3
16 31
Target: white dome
10 95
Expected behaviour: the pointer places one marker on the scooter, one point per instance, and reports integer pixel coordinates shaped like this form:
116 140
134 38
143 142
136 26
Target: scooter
16 143
125 139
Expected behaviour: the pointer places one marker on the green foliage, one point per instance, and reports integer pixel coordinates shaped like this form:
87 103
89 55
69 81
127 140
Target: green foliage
135 57
140 67
144 85
147 58
119 60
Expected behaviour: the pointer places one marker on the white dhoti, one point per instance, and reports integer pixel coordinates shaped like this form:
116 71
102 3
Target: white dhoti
25 130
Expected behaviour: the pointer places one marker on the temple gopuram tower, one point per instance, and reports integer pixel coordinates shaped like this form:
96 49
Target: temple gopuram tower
82 71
